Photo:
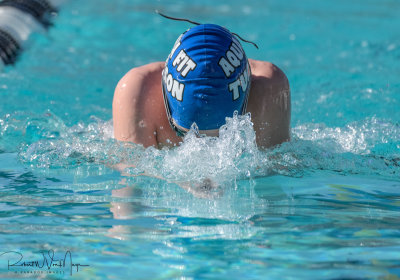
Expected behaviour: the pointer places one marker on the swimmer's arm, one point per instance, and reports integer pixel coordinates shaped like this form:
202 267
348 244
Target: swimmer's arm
129 116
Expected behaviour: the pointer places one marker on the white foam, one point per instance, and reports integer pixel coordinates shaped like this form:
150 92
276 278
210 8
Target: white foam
356 137
233 154
368 146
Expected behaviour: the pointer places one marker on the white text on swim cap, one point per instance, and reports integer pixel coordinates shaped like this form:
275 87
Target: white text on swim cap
242 81
184 63
232 59
173 86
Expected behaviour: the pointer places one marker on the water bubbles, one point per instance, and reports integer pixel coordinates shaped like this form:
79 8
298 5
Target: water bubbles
247 10
142 123
224 8
364 44
324 97
391 47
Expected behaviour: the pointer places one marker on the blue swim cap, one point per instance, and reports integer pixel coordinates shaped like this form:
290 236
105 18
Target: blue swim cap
206 78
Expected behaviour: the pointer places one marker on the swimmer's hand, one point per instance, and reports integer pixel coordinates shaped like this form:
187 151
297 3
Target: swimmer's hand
205 188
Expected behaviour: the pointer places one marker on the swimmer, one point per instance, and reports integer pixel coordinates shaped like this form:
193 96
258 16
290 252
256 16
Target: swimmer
206 78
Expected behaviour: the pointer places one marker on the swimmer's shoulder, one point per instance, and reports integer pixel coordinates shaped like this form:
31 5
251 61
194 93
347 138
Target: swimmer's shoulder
150 69
264 69
137 80
269 103
142 73
135 95
269 77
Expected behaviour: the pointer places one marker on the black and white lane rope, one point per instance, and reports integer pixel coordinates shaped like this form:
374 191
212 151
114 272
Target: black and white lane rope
18 20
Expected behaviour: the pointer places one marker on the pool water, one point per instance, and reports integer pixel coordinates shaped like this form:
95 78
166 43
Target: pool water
325 205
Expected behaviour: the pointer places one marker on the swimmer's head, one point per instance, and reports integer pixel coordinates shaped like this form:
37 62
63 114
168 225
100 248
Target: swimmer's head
206 78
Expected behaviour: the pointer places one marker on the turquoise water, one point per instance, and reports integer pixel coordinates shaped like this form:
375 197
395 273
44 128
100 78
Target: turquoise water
326 205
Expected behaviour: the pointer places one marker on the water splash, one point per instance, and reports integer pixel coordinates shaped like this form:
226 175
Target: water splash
46 142
233 154
357 137
366 147
371 146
